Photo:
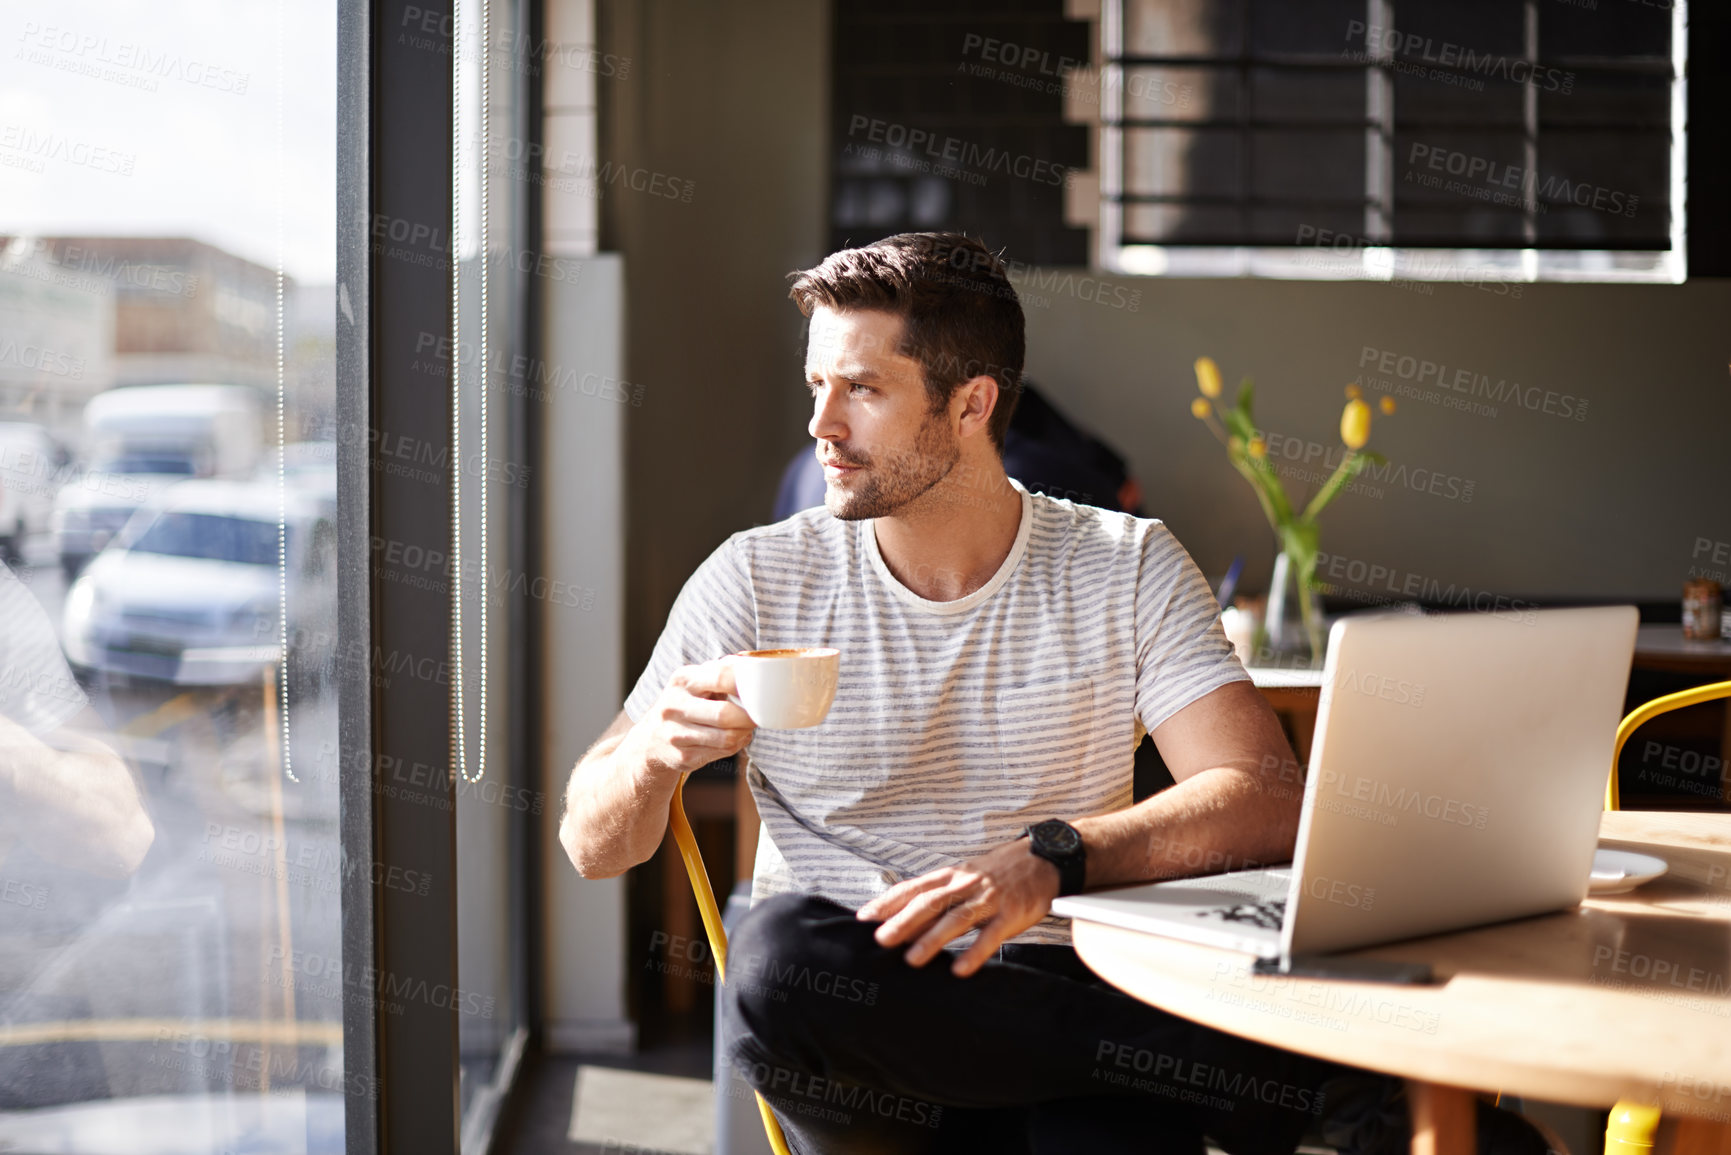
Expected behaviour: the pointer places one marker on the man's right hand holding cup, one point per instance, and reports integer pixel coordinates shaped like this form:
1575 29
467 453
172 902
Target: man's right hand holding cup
616 801
692 723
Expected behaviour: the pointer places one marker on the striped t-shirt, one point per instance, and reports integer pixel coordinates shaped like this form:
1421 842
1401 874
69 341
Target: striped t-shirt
956 724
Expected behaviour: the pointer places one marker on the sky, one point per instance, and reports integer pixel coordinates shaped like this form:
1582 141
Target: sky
121 117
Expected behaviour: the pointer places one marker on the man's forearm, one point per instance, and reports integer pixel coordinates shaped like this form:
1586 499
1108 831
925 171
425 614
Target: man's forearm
616 802
1220 819
615 809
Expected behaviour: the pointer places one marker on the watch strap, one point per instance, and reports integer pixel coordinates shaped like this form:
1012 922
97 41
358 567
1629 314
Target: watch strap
1072 867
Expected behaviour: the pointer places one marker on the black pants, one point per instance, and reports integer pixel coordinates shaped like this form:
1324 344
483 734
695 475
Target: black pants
859 1052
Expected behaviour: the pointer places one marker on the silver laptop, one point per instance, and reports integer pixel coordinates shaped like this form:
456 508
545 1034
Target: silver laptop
1456 778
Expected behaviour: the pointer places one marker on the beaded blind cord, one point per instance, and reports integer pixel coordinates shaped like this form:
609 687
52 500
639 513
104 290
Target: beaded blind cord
459 740
282 673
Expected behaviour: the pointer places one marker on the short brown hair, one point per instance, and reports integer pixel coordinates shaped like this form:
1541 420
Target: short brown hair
960 315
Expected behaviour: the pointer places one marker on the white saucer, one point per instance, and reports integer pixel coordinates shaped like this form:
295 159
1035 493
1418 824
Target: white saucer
1615 871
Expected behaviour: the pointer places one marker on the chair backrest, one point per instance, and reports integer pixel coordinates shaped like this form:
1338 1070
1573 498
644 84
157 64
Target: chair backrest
1690 697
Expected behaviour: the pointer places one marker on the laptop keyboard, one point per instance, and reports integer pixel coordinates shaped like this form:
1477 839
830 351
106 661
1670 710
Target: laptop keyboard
1269 914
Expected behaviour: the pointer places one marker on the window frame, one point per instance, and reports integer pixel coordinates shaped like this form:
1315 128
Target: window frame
395 139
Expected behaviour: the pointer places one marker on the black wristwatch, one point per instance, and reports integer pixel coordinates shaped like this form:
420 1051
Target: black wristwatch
1060 844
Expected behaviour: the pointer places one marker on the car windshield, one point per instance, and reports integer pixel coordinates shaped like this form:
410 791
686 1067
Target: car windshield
146 463
211 536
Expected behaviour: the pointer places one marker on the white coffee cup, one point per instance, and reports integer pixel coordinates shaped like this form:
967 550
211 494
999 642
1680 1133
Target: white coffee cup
787 689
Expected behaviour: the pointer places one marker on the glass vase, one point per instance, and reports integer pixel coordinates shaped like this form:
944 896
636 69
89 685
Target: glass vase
1293 625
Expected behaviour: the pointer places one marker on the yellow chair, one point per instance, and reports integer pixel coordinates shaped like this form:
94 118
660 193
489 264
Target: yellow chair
713 928
1633 1125
1690 697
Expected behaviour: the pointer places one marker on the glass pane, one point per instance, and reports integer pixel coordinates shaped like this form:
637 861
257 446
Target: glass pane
1604 187
1432 94
170 954
1576 226
1448 227
1291 94
1634 100
1182 162
1181 28
1616 30
1452 168
1308 28
1303 224
1309 165
1181 224
1441 30
1181 92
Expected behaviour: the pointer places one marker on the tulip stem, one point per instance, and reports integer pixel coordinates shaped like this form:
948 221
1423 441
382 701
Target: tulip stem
1343 473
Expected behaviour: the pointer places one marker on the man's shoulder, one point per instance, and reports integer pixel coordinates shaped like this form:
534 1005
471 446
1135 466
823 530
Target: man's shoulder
813 531
1063 525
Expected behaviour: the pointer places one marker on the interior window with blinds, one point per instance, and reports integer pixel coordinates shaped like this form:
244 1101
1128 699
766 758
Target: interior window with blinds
1344 138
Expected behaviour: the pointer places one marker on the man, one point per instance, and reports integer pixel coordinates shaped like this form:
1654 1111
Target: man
899 984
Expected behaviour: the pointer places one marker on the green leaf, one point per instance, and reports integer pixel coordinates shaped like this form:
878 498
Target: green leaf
1246 390
1238 423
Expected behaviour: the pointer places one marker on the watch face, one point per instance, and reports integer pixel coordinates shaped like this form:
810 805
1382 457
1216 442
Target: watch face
1058 837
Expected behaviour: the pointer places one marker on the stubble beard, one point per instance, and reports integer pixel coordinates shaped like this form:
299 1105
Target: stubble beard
889 482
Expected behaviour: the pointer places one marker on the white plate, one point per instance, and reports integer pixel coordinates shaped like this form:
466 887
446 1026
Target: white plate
1615 871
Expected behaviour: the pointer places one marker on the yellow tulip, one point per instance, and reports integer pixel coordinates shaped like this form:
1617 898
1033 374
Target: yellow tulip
1354 392
1387 404
1207 377
1355 424
1200 408
1258 448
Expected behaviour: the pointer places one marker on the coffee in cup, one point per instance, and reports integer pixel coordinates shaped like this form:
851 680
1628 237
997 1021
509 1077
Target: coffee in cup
787 689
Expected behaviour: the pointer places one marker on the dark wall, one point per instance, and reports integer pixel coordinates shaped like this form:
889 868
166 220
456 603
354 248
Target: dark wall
734 99
1607 496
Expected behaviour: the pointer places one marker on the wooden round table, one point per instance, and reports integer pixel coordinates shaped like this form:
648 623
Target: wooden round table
1626 997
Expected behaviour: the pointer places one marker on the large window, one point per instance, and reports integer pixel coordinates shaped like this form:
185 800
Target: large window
231 450
1365 138
172 975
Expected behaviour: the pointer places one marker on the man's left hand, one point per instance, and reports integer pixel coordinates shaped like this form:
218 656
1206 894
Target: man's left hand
1003 892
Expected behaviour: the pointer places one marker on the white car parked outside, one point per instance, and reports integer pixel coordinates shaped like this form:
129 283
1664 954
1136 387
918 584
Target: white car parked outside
188 591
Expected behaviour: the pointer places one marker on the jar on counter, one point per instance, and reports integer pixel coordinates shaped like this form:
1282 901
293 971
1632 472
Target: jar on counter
1701 609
